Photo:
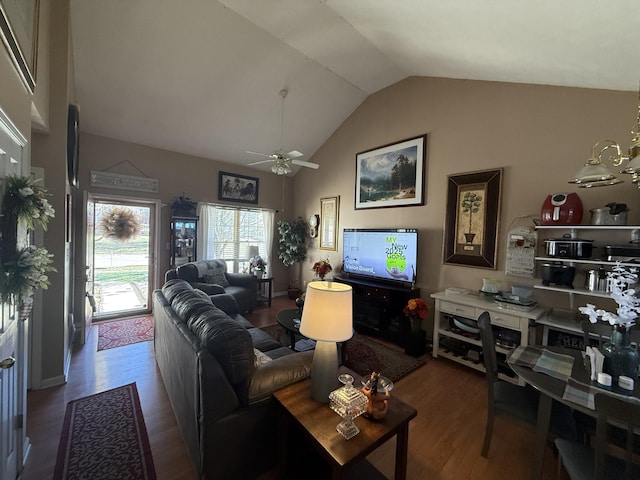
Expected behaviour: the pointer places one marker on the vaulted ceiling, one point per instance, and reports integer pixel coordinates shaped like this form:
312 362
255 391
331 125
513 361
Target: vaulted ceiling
203 77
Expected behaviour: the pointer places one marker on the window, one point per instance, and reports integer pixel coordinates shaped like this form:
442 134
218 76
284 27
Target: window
228 234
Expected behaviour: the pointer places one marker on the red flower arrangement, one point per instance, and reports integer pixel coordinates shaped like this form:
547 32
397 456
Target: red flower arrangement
321 268
416 308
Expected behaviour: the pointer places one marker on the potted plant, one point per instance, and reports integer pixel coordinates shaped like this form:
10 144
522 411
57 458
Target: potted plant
292 242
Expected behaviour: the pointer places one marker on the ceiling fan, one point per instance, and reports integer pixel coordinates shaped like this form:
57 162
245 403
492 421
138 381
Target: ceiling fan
283 160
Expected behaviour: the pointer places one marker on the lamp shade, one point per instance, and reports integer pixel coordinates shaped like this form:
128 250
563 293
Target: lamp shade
327 314
253 251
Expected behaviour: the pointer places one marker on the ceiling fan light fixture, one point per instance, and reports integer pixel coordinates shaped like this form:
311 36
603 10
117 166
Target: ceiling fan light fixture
281 169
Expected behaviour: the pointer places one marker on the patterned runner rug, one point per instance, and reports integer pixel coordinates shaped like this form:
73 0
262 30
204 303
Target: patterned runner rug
364 354
104 437
125 332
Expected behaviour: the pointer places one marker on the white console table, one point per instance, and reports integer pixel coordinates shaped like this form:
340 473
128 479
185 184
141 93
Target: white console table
471 306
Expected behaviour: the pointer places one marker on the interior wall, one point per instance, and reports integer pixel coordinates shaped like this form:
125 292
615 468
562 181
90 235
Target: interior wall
177 174
53 332
540 135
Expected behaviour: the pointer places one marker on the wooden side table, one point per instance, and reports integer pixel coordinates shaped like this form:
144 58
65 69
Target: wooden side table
265 283
319 422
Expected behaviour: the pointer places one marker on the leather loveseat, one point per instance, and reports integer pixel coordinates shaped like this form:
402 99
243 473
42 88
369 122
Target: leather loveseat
211 277
220 372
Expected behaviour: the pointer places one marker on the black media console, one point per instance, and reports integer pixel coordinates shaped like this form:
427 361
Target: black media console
377 307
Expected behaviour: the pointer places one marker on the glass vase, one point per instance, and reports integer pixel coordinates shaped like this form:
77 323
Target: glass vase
624 359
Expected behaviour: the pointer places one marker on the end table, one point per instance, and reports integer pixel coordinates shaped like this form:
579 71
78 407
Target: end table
265 289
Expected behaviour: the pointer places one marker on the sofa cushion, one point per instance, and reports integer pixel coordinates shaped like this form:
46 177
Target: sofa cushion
217 277
174 287
186 308
262 340
227 341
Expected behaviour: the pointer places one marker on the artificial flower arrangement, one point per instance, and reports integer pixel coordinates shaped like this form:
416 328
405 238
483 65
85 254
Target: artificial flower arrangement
26 272
120 224
27 200
183 205
621 278
416 308
321 268
258 263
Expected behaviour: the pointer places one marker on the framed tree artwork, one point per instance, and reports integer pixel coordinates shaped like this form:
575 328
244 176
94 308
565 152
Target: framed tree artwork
471 224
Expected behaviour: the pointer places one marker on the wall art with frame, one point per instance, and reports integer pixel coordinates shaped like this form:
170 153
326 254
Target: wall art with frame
329 210
237 188
19 29
392 175
471 224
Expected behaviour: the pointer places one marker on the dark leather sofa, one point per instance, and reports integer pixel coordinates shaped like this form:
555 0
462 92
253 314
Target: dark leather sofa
211 277
212 361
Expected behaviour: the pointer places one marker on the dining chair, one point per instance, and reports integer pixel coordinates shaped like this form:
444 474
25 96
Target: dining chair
515 401
583 462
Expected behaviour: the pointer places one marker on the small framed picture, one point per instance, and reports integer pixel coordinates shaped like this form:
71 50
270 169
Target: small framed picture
237 188
329 209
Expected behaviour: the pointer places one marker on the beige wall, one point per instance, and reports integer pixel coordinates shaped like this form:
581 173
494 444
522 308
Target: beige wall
52 333
539 135
178 174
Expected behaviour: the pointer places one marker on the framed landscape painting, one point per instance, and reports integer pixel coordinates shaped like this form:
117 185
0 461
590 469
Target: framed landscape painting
471 225
237 188
392 175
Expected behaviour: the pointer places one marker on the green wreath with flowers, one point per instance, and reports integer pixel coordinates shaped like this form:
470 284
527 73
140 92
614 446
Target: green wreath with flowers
25 269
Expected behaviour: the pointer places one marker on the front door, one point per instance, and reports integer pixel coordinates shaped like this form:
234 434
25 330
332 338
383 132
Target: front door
124 245
13 353
9 366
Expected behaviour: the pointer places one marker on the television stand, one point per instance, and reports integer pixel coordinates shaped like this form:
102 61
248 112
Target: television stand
377 310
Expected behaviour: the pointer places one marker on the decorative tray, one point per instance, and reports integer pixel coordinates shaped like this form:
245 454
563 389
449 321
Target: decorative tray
515 300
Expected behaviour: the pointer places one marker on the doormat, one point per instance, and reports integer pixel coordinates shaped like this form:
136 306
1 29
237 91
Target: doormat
125 332
364 354
104 437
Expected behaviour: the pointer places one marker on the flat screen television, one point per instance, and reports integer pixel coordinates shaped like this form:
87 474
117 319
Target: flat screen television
388 254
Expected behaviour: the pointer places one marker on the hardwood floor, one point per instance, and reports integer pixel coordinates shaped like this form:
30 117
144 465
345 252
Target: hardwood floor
444 439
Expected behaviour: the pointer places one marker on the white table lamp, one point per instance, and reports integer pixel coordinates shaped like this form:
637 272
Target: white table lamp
326 318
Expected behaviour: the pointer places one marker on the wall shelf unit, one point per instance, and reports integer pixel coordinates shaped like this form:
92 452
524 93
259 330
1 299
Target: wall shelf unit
602 235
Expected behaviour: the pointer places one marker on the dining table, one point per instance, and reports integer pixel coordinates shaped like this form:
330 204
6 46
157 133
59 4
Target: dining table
561 374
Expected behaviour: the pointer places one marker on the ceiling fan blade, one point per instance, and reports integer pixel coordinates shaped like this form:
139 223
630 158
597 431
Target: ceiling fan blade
261 161
261 154
295 154
302 163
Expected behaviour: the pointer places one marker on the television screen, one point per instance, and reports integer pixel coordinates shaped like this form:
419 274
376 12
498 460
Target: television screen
386 254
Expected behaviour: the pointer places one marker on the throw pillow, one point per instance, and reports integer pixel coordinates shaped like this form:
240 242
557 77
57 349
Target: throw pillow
261 357
217 276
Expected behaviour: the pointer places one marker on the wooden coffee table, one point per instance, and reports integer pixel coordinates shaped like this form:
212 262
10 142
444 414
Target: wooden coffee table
319 422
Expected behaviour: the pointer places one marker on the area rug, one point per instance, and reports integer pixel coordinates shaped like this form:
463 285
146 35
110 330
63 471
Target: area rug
104 437
125 332
364 354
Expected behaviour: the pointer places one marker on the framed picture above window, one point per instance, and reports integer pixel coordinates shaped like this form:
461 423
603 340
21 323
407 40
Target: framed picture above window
392 175
237 188
471 225
329 209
